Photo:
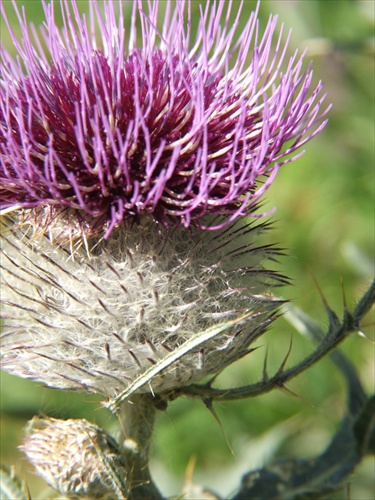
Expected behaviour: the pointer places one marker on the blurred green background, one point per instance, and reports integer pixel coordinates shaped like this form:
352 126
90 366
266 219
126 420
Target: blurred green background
325 220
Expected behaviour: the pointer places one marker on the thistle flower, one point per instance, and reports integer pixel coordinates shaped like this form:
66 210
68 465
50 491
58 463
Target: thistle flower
114 161
75 457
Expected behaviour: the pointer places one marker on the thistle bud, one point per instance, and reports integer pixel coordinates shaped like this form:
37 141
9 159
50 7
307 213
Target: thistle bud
76 458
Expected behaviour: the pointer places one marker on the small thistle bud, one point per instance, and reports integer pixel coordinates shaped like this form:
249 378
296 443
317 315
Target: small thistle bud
76 458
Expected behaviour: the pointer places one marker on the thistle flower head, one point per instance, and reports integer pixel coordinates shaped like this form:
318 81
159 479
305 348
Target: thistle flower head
108 123
134 146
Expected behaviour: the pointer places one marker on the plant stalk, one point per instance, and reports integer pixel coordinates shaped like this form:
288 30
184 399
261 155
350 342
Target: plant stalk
137 419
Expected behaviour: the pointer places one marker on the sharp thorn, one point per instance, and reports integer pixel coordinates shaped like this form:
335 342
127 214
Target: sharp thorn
265 374
294 394
282 366
209 406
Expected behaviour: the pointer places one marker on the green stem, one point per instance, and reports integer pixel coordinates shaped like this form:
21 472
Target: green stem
137 420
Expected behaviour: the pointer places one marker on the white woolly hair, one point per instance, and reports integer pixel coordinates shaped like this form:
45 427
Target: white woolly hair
98 318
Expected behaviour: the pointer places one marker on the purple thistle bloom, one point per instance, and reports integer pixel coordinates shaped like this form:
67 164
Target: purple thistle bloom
105 130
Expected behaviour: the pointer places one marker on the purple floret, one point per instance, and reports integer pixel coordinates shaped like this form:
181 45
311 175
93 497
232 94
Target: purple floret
167 127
